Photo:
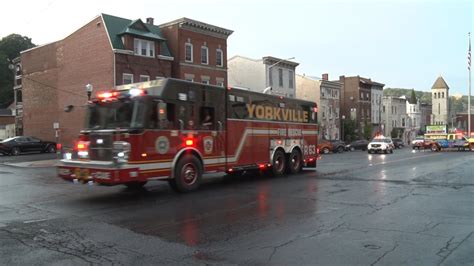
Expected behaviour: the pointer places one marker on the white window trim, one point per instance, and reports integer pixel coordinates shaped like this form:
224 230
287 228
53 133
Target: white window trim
142 76
127 74
222 57
207 55
150 46
192 52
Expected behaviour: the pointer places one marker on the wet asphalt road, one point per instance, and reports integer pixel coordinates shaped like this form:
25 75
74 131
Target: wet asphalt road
409 207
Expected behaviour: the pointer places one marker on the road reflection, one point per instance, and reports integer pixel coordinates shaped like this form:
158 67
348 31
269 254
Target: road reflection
223 210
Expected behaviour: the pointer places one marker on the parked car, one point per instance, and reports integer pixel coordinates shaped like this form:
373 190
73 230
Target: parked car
338 146
398 143
417 140
381 144
16 145
324 146
357 145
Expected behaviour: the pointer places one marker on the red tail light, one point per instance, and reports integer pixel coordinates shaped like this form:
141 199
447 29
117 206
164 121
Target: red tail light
82 145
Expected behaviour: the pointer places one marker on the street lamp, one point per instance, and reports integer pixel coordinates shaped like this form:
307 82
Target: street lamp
89 89
343 117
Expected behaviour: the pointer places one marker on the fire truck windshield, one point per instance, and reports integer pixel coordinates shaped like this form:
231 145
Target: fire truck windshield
116 114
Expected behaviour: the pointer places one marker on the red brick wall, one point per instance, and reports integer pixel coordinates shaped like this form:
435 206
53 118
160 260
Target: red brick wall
40 90
6 120
60 72
139 65
171 35
177 38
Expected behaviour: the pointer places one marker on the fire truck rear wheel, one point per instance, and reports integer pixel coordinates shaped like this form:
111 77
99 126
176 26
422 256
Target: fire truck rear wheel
278 163
295 162
187 174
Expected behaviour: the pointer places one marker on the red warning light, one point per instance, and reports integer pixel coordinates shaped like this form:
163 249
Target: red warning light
315 109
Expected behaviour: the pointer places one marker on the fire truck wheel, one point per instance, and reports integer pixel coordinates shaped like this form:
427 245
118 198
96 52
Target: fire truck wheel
434 148
187 174
135 185
279 163
295 162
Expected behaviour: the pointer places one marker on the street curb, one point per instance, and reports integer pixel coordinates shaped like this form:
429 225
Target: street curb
38 164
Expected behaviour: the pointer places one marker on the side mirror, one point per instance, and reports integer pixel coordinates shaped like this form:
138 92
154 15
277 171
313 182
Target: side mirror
68 108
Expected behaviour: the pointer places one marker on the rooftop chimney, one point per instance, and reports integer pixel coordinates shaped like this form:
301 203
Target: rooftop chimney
149 21
325 76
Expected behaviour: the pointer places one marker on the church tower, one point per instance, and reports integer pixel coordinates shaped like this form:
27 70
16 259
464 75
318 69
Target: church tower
440 102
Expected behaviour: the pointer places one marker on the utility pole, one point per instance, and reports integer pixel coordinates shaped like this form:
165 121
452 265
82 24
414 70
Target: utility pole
469 96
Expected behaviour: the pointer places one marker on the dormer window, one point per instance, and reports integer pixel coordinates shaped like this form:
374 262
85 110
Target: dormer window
144 48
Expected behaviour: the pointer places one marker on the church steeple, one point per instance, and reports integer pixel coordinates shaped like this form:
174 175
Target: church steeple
440 84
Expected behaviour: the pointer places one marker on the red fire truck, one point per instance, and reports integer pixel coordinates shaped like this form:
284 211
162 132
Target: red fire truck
176 130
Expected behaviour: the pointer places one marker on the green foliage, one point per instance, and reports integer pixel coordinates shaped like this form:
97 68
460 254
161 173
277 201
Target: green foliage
397 132
413 97
424 96
367 131
10 48
349 130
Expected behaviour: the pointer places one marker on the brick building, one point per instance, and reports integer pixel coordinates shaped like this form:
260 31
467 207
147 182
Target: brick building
200 50
106 52
356 101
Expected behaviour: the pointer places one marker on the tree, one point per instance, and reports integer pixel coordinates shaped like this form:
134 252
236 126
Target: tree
349 130
413 97
367 131
10 48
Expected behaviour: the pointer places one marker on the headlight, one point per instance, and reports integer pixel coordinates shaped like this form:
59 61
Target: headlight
121 151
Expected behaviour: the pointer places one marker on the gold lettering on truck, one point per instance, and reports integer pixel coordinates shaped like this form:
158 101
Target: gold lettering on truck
277 114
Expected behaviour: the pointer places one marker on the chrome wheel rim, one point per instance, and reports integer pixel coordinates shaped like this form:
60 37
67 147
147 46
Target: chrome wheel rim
189 173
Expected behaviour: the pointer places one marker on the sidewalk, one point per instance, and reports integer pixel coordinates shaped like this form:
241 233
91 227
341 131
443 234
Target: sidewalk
44 163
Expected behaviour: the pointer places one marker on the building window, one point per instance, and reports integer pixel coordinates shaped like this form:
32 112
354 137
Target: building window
127 78
270 77
188 52
220 82
362 96
280 77
383 109
290 79
322 92
324 111
439 108
205 80
189 77
204 55
219 58
144 48
442 95
144 78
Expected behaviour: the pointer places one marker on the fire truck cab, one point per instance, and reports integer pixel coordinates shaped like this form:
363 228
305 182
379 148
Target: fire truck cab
175 130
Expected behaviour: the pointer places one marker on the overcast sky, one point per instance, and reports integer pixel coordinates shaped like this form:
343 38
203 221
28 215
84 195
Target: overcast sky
405 44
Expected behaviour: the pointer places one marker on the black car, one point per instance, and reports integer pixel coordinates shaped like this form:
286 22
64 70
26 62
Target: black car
398 143
338 146
358 145
17 145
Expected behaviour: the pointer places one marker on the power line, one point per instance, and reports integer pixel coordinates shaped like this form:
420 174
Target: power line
54 88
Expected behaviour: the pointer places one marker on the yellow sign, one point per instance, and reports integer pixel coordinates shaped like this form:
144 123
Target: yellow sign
275 113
